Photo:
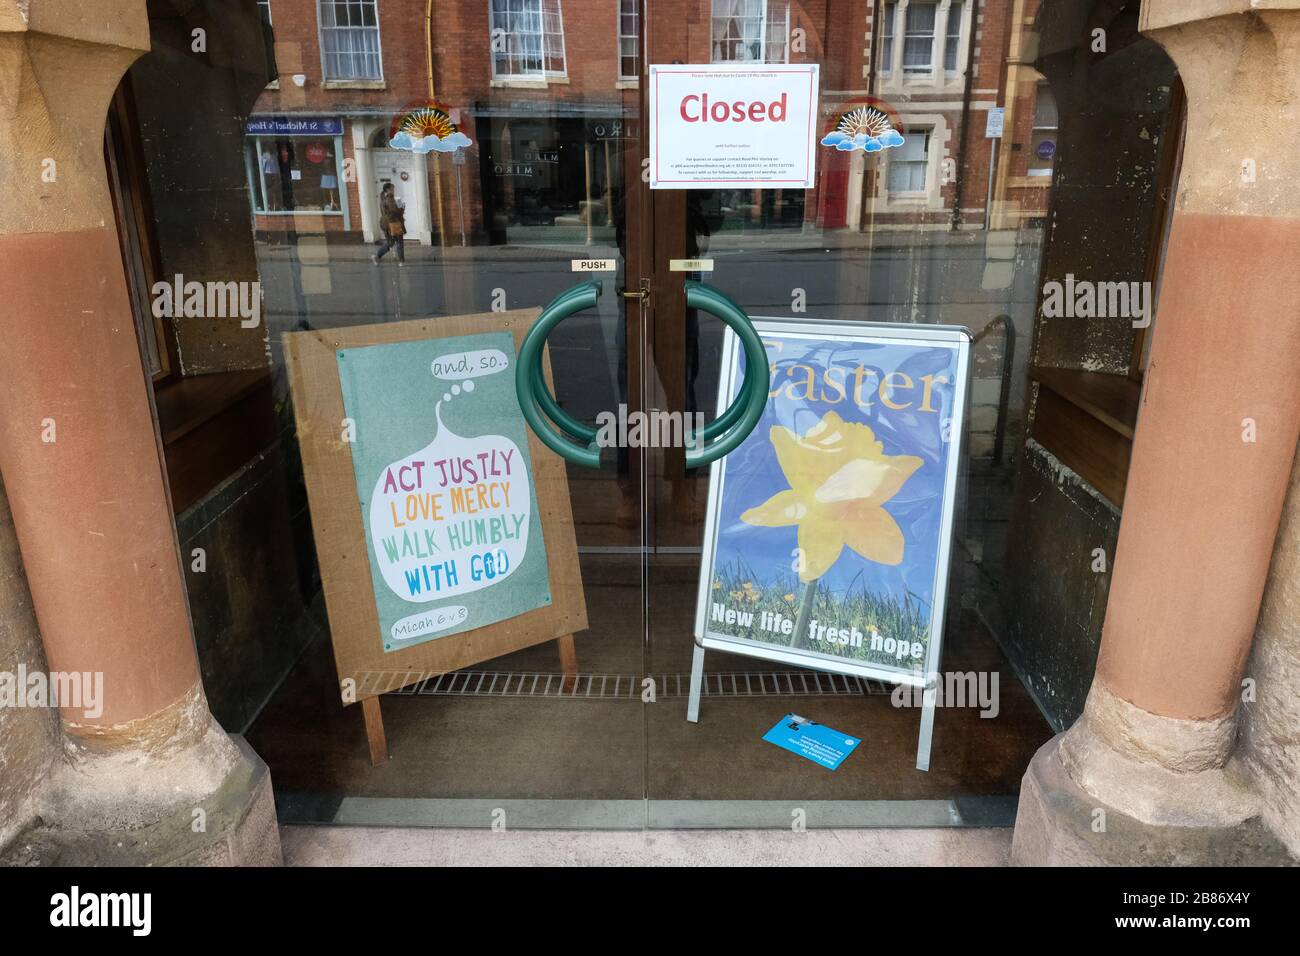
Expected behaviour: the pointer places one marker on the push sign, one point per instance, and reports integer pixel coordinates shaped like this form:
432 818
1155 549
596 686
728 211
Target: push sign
731 126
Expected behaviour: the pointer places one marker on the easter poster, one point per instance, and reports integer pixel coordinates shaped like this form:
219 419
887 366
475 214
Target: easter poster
828 529
443 477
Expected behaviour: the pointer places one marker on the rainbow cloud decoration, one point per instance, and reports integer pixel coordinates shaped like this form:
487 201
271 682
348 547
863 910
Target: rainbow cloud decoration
865 128
427 129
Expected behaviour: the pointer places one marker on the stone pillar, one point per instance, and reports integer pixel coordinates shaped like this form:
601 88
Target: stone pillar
149 776
1147 774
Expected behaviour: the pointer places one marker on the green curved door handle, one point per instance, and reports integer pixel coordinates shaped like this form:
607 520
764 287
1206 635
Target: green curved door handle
725 433
720 436
534 397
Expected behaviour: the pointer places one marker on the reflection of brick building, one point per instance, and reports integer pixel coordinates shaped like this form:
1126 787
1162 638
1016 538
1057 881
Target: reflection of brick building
544 93
553 102
938 68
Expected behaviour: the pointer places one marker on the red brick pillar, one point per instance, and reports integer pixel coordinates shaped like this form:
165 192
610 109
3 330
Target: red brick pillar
79 450
1141 776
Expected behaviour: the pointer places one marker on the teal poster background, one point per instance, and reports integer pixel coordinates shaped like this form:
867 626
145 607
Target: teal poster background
440 455
838 497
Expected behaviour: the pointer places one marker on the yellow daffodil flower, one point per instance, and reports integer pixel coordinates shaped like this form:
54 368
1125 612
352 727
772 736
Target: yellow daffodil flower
839 478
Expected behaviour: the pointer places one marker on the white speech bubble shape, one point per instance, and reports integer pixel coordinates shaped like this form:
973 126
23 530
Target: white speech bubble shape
451 518
458 366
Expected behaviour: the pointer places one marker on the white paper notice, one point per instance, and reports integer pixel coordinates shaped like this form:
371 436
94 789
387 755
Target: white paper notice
728 126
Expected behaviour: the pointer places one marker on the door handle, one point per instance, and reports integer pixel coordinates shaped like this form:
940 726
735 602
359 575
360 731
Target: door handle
726 432
535 399
576 442
642 292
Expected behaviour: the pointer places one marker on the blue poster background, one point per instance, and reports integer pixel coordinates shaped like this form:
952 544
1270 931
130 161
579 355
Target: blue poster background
865 602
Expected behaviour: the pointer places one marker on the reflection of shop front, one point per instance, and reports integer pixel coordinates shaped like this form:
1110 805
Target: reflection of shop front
561 172
333 167
295 165
409 174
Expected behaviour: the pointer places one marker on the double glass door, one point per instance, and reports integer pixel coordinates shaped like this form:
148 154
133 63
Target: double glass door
555 190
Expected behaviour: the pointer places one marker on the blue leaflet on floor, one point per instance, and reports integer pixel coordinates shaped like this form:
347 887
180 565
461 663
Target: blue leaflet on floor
811 740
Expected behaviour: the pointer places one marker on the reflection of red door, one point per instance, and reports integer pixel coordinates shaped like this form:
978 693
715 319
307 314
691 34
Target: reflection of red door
835 190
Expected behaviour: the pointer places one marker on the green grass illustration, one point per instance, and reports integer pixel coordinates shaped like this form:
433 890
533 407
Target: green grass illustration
737 587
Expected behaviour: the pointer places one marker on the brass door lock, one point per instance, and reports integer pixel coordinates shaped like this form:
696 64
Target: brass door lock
641 293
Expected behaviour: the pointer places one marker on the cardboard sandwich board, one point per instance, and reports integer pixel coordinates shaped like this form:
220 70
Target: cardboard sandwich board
443 526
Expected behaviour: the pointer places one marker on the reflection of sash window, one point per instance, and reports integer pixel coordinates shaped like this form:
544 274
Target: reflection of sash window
907 163
750 31
887 38
918 38
528 38
349 40
952 44
629 39
920 27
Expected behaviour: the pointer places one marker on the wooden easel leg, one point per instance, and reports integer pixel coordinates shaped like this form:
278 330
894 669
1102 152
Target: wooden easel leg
568 662
375 731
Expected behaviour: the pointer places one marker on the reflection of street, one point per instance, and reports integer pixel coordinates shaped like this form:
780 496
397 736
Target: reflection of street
925 277
901 277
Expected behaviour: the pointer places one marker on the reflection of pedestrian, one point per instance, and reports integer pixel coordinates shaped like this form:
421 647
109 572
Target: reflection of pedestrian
271 177
392 219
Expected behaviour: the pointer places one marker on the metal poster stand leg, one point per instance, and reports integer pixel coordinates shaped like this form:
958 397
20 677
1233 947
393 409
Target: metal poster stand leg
927 729
697 678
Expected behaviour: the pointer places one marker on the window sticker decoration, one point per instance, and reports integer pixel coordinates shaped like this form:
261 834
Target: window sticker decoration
427 128
870 127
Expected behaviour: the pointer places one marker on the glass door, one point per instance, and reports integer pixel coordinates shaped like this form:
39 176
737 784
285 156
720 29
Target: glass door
510 159
891 228
516 163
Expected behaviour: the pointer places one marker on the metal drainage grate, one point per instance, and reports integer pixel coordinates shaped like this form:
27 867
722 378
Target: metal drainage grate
552 685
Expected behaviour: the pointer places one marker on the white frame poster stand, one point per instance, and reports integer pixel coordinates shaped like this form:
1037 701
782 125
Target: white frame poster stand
956 338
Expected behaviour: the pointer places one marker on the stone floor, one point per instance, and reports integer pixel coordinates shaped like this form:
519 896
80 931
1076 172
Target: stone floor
608 761
404 846
619 752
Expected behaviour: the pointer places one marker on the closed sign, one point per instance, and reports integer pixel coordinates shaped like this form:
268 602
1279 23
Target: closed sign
730 126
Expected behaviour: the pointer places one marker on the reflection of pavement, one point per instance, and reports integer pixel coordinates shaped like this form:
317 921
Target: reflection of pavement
927 277
541 244
902 277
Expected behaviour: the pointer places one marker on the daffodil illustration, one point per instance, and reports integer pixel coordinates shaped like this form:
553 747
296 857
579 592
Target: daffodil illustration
839 478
